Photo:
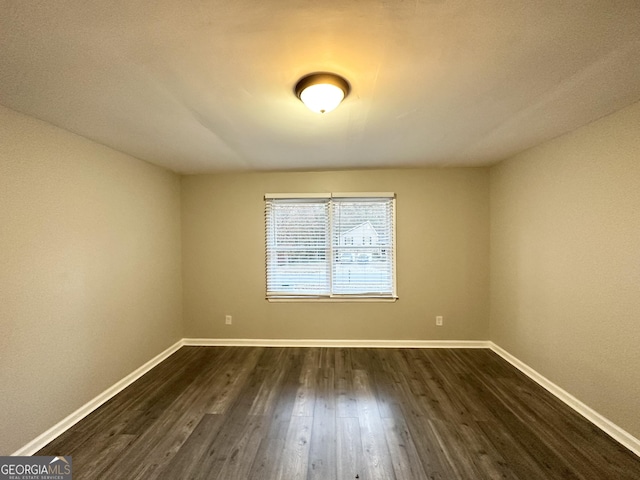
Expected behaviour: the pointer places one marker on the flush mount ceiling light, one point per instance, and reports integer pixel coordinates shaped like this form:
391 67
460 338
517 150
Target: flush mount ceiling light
322 92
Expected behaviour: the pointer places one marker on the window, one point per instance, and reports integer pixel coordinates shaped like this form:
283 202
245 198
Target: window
330 245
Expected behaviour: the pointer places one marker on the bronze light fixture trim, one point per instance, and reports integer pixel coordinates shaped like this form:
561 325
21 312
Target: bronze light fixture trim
322 92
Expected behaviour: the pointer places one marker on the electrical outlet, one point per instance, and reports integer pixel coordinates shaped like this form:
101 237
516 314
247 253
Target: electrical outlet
439 320
228 319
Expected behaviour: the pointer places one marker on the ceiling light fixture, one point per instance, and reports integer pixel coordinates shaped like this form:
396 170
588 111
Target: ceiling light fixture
322 92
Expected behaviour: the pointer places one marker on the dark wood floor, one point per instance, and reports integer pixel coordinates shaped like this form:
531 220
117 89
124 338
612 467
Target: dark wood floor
339 413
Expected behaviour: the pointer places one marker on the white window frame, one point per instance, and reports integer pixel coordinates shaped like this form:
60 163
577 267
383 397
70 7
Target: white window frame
338 297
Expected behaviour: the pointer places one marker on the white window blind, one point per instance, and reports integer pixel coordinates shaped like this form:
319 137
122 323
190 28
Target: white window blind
297 233
330 246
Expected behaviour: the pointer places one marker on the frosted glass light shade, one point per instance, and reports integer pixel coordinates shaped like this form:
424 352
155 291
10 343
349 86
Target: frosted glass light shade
322 92
322 98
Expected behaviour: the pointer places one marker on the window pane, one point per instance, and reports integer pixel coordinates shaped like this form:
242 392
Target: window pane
297 237
362 246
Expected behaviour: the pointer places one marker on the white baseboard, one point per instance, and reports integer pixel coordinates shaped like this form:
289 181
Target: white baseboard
277 342
68 422
613 430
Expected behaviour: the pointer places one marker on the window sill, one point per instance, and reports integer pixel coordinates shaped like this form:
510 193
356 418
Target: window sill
332 299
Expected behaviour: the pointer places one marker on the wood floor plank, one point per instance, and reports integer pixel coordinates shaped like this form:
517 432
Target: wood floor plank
233 449
237 413
185 463
243 450
235 377
156 446
485 455
404 456
383 385
437 462
92 463
295 455
268 460
265 397
346 400
322 452
515 456
376 452
306 394
350 461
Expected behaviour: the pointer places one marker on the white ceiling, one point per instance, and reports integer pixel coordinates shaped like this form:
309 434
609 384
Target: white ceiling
206 85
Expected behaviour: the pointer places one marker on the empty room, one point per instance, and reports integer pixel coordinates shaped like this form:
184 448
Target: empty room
320 240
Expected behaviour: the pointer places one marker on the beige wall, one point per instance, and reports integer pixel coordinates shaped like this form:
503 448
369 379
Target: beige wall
565 263
90 265
442 257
